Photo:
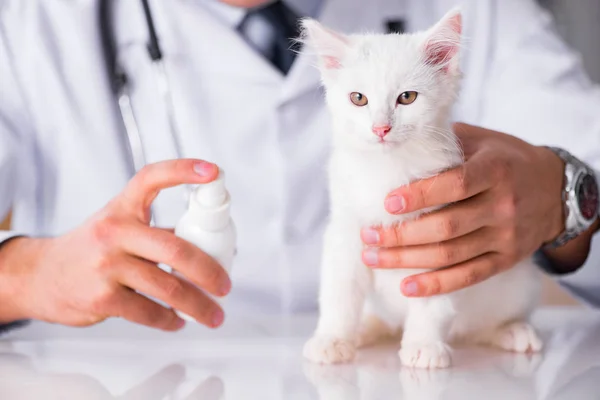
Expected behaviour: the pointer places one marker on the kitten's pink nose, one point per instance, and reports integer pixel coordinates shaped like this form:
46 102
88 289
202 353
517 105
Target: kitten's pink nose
381 130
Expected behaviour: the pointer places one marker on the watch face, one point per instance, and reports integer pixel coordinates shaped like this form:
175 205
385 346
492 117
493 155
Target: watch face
587 197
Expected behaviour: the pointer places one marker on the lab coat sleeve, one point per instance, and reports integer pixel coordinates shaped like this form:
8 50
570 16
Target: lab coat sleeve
532 85
13 121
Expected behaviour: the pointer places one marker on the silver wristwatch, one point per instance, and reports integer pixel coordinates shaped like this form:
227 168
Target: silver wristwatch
580 198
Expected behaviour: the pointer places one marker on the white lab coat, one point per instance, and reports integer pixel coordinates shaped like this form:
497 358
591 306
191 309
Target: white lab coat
62 142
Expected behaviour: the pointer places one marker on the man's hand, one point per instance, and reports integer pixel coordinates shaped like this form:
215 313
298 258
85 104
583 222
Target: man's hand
96 271
505 202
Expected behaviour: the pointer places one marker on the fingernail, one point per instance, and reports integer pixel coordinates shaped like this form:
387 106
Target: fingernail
225 288
217 318
410 288
395 204
371 257
369 236
204 169
180 323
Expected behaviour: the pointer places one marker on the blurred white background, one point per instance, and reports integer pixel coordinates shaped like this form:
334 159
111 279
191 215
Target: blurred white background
578 21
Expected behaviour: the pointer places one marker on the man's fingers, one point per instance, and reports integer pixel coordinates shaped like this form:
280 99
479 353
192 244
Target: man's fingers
438 255
448 223
460 183
141 310
180 294
453 278
162 247
143 188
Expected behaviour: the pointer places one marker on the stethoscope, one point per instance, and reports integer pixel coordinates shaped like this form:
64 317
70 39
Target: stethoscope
119 81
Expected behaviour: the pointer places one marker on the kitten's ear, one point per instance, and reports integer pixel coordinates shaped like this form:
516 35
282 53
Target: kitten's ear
329 46
442 44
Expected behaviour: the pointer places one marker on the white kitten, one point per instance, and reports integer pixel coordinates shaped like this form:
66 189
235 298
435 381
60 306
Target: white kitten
391 97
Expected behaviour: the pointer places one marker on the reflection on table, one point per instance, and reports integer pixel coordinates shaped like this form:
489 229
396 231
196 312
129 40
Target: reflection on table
267 364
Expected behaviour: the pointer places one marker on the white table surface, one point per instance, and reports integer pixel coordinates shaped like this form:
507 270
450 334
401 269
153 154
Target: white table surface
260 358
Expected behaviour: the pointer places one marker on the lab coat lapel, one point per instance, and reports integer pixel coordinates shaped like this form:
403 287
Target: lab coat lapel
227 52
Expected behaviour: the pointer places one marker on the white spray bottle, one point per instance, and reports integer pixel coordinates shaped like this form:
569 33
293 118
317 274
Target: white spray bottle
207 224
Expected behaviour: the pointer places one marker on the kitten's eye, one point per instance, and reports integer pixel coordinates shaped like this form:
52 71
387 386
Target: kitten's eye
407 98
358 99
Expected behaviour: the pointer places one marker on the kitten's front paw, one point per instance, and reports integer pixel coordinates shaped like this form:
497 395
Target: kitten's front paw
431 355
519 337
329 350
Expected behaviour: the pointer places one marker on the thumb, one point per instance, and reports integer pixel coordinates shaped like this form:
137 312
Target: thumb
143 188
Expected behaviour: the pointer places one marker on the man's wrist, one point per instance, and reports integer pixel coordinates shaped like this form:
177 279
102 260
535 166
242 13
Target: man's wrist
568 258
569 231
15 256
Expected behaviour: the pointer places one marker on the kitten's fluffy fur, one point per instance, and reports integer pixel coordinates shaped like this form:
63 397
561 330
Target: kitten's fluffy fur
359 305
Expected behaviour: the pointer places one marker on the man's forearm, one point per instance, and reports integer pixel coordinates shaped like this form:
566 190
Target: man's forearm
572 255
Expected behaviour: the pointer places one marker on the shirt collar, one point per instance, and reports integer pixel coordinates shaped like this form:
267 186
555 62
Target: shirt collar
232 16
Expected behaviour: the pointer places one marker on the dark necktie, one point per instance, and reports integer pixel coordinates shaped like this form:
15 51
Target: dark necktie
271 30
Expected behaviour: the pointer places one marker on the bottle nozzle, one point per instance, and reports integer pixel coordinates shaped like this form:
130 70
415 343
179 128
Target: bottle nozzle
212 194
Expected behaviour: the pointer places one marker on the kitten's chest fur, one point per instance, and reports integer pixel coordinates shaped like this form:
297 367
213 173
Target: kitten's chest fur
360 181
